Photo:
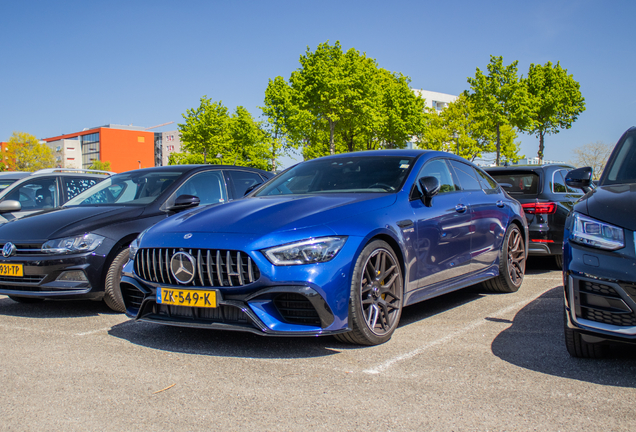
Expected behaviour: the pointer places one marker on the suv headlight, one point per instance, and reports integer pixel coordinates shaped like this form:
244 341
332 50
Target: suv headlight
306 252
134 246
591 232
82 243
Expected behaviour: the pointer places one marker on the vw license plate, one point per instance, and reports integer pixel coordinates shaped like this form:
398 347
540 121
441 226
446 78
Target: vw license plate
11 270
183 297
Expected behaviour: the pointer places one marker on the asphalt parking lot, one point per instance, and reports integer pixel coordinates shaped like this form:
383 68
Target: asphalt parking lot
464 361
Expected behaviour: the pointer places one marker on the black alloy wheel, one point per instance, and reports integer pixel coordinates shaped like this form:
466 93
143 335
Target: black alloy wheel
375 304
512 263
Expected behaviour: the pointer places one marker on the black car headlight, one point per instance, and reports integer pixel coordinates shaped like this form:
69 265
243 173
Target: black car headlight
592 232
82 243
134 246
306 252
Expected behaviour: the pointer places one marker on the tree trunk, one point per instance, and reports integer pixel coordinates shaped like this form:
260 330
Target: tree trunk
541 147
332 147
498 145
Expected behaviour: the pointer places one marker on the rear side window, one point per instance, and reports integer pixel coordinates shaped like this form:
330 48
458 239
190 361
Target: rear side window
76 185
558 182
518 182
487 183
466 175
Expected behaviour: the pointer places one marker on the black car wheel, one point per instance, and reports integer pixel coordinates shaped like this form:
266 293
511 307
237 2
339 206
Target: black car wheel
512 263
577 347
375 304
112 292
559 261
26 299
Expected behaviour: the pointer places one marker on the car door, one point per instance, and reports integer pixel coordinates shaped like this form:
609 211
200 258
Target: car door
208 186
489 215
34 195
443 230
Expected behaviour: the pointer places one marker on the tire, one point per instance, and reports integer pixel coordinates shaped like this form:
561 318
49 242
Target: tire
112 292
559 261
512 263
375 302
579 348
26 300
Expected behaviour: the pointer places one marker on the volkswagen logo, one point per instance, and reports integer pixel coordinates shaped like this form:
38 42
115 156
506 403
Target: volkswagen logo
181 265
9 249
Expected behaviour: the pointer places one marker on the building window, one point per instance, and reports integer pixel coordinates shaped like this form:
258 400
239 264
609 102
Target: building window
90 149
141 139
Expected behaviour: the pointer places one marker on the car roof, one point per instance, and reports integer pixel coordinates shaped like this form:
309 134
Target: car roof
526 167
188 168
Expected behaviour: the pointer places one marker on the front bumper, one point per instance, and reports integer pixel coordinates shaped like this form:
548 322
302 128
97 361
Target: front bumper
600 292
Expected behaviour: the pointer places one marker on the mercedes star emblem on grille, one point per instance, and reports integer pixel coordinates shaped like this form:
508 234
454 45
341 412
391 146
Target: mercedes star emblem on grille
182 267
9 249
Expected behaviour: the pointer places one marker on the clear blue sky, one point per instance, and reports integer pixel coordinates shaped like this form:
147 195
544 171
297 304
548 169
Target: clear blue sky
69 65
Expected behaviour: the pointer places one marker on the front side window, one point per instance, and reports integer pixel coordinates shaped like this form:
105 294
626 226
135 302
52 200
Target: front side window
132 188
36 194
439 169
622 168
357 174
208 186
242 180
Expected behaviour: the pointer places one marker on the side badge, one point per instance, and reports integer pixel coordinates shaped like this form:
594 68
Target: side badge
187 236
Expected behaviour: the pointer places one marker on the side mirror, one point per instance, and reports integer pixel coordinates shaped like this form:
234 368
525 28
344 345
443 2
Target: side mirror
9 206
251 188
580 178
430 187
183 202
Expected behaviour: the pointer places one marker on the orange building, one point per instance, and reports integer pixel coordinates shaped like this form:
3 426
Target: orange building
125 147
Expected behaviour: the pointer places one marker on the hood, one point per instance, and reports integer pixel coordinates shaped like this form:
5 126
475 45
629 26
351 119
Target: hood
65 222
615 204
261 215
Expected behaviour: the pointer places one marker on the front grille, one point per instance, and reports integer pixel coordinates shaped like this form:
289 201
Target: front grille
27 249
222 314
214 267
26 279
296 309
132 296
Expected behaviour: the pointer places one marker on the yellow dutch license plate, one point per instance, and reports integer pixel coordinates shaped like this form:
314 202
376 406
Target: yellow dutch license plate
184 297
11 270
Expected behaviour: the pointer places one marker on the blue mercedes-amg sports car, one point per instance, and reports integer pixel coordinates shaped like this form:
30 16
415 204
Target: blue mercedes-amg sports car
336 245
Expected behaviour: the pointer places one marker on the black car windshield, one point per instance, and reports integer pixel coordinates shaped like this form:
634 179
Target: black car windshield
132 188
622 167
376 174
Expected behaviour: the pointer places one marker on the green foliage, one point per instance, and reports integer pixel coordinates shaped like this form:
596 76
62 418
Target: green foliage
555 101
30 155
211 132
185 159
499 98
341 101
99 165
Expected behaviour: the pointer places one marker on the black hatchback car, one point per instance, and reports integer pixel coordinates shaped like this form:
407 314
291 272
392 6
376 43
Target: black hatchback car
546 200
78 251
599 256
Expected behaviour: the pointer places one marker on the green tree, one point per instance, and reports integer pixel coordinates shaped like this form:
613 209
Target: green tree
342 101
210 132
30 155
499 98
278 109
205 130
184 158
99 165
555 101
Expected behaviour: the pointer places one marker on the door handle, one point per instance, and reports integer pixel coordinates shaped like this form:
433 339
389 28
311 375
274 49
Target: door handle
500 204
460 208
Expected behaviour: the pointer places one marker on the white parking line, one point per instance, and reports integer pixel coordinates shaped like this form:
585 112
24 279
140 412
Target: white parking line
471 326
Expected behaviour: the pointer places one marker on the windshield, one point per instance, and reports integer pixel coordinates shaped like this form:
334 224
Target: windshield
622 166
132 188
376 174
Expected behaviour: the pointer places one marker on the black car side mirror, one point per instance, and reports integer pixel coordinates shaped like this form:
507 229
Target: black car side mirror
580 178
251 188
430 187
184 202
9 206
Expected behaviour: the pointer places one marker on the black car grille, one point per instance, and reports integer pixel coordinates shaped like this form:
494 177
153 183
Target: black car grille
132 296
214 267
27 249
26 279
222 314
296 309
602 303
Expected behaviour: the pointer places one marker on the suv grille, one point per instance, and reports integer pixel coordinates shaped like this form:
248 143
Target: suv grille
214 268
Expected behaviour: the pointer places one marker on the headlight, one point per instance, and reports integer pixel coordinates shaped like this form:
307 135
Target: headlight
591 232
306 252
134 246
83 243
